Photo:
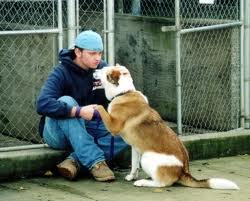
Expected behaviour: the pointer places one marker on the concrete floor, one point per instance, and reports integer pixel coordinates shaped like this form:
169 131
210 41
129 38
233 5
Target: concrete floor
53 188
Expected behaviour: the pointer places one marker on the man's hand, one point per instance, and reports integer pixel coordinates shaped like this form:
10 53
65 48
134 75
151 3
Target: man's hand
86 112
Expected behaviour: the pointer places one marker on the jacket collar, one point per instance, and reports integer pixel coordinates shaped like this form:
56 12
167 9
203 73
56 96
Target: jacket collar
66 57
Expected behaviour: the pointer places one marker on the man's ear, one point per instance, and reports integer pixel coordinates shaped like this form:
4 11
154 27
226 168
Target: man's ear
77 52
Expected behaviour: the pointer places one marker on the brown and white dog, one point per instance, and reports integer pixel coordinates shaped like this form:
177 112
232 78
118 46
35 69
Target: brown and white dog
161 153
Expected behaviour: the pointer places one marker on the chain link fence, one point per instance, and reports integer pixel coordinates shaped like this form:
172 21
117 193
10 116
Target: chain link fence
210 67
25 60
196 14
209 59
27 15
91 15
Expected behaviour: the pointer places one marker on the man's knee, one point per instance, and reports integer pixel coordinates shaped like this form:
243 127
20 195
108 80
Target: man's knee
69 100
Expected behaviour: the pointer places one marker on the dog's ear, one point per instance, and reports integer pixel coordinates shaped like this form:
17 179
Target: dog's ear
113 77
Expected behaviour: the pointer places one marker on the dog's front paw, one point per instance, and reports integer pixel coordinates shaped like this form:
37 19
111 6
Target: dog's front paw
130 177
141 182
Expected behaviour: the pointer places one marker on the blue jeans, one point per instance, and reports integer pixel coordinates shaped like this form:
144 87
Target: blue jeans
88 141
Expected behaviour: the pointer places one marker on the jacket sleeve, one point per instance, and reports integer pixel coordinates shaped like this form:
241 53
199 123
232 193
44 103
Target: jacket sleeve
47 103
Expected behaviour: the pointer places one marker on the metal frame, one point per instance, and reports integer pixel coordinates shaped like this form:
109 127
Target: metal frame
71 13
178 66
246 61
242 101
110 28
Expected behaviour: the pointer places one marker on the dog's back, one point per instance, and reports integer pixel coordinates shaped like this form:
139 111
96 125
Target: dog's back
145 125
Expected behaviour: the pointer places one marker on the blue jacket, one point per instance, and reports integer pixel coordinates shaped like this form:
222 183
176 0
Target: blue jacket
68 79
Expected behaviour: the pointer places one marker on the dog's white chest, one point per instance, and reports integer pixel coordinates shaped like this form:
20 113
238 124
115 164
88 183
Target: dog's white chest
109 108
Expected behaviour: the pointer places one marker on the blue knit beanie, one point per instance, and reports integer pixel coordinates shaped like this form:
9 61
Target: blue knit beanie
89 40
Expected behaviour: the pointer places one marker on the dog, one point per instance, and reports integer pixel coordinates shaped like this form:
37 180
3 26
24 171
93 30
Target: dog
162 155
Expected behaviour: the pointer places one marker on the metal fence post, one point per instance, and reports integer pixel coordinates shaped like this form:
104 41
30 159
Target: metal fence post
110 27
77 18
178 66
247 62
105 51
71 22
60 25
242 96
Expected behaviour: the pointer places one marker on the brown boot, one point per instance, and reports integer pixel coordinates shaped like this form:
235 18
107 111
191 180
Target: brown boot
101 172
69 168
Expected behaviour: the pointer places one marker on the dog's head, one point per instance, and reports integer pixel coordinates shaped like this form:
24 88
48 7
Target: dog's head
115 80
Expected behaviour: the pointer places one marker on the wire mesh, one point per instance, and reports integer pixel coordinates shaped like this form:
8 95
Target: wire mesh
157 8
196 14
25 60
24 65
210 81
27 15
210 67
91 15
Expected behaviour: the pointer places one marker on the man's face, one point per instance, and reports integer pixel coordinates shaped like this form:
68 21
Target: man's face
87 58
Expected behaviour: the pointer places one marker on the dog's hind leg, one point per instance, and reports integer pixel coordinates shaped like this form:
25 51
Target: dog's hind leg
148 183
163 169
165 176
135 165
168 175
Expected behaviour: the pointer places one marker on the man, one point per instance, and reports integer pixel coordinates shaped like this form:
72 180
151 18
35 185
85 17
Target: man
67 104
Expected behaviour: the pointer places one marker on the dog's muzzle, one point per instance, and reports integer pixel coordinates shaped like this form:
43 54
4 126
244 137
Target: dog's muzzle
97 74
97 84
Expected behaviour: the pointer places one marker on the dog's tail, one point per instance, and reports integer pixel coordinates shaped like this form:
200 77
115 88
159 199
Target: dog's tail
215 183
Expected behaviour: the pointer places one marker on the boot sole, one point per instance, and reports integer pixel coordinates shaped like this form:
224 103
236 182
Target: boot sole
109 178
